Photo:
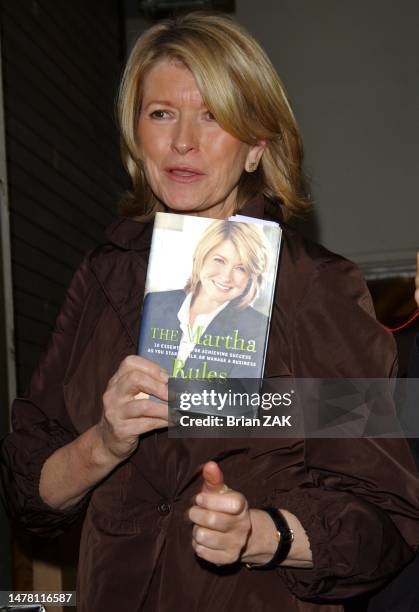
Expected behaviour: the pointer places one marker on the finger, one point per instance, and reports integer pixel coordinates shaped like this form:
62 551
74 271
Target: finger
213 478
231 502
145 408
135 362
218 557
133 382
217 521
141 395
209 538
138 427
150 424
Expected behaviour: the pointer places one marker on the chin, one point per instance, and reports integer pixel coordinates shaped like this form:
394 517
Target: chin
185 207
179 203
189 200
192 209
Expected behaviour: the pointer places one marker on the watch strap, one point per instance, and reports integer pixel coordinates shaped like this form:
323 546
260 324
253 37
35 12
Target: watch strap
285 536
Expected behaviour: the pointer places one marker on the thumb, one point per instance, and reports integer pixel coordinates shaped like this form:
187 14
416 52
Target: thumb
213 479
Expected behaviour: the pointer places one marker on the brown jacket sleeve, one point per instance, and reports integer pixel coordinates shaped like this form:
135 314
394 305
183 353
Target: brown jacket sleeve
359 503
41 424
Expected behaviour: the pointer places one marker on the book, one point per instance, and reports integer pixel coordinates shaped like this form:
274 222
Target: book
208 296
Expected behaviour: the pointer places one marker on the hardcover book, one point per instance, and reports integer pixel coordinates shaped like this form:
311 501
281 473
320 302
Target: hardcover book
208 296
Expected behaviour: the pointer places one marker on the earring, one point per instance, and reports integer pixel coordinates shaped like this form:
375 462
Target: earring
252 166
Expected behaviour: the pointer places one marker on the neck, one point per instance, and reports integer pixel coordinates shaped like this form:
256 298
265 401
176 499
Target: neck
200 304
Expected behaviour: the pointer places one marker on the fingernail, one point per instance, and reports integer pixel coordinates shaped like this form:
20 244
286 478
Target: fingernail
141 395
164 376
199 499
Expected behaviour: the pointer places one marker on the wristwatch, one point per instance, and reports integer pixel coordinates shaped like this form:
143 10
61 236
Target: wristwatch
285 539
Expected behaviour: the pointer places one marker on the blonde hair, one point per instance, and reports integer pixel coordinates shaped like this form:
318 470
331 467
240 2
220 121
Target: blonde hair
239 86
251 247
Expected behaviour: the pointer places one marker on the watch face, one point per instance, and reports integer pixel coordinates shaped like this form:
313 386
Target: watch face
286 536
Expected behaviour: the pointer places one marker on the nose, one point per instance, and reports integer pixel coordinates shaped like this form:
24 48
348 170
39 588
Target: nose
227 273
185 137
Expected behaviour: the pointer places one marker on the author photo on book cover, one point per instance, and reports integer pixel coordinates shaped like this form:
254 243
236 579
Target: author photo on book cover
209 328
209 525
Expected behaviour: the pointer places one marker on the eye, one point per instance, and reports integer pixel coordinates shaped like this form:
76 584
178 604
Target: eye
218 259
241 269
159 114
210 116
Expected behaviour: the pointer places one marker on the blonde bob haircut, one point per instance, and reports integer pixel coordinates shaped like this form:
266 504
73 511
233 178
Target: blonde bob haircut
251 246
239 86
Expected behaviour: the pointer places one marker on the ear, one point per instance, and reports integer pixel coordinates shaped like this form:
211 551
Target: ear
254 156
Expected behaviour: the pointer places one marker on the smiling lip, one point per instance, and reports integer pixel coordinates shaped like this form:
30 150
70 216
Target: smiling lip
222 287
183 174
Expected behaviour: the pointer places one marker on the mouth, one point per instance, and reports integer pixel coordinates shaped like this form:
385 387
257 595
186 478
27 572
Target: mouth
184 174
222 287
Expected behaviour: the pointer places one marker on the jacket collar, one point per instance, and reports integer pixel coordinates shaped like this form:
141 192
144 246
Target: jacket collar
132 234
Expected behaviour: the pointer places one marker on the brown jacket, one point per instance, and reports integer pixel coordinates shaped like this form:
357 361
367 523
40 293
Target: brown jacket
358 500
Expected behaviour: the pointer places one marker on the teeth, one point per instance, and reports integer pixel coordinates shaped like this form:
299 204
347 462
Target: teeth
183 173
223 287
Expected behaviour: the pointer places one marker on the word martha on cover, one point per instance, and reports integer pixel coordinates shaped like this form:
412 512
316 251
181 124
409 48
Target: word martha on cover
208 296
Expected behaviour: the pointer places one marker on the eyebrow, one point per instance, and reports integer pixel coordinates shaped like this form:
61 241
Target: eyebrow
161 102
165 103
222 257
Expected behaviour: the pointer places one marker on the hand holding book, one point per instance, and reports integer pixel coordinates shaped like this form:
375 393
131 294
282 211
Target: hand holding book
127 414
101 448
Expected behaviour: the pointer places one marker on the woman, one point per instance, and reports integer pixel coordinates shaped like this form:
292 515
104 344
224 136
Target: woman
228 268
207 130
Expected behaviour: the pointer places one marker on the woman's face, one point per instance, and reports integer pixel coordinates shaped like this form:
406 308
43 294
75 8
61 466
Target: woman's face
223 275
191 164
